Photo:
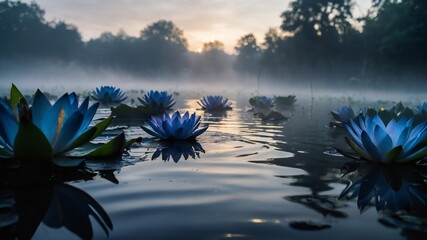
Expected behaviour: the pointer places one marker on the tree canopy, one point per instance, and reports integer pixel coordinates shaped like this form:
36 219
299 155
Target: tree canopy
319 40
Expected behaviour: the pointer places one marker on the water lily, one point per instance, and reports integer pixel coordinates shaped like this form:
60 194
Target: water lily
42 130
108 95
262 102
215 103
343 114
395 141
284 101
179 127
157 101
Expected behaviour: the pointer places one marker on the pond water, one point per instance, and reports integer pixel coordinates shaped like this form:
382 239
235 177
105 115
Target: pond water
244 179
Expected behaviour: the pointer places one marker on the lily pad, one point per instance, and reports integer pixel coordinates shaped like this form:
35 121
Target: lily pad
128 112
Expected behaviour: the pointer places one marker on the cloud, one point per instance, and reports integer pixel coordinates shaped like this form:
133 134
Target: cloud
202 21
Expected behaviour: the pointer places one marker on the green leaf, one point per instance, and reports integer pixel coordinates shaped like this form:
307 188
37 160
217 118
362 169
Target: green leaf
132 141
113 147
90 134
16 97
82 139
30 143
82 151
125 111
101 126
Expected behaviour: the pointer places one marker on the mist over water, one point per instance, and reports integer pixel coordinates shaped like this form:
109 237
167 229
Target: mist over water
58 77
267 169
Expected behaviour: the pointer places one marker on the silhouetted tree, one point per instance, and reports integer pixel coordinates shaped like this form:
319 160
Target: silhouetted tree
25 33
212 61
164 48
315 40
272 58
317 28
119 52
397 36
248 54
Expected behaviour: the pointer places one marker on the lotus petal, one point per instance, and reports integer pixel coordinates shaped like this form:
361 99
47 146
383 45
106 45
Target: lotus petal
398 141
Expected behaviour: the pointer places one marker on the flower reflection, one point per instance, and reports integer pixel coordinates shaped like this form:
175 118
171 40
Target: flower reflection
32 195
392 188
214 116
178 150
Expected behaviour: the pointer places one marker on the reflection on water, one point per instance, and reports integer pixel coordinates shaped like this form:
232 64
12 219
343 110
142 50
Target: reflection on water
399 193
32 195
388 188
255 179
177 150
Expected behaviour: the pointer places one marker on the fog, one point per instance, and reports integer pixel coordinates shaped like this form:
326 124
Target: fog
57 78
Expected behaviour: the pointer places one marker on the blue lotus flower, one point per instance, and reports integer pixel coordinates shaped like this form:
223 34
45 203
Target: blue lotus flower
108 95
396 141
262 102
157 102
284 101
343 114
214 103
175 127
63 124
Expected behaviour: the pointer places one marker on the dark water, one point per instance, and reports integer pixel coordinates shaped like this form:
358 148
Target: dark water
245 179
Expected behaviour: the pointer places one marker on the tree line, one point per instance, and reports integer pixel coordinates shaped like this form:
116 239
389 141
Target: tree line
319 40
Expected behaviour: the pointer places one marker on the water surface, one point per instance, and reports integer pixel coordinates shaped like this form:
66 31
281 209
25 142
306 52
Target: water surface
244 179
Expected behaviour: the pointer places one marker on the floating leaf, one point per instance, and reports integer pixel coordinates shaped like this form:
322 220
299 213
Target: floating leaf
132 141
125 111
113 147
101 126
83 139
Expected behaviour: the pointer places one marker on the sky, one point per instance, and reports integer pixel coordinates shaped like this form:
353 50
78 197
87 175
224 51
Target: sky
201 20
